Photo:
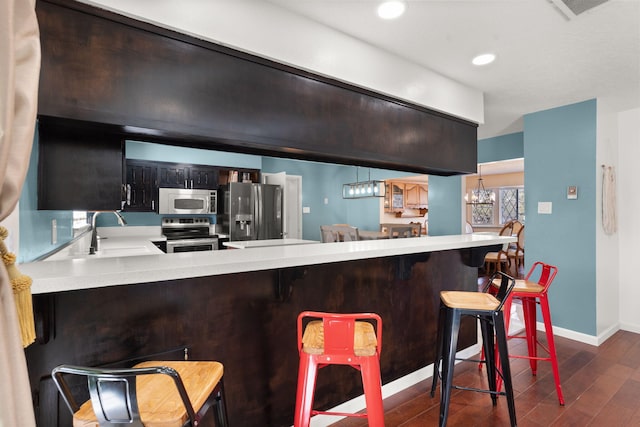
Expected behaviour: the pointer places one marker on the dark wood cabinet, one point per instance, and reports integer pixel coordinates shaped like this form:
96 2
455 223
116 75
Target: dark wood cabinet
145 177
79 168
231 100
203 177
173 175
141 186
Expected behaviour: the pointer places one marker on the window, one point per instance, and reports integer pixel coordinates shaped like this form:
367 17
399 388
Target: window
508 206
80 222
511 204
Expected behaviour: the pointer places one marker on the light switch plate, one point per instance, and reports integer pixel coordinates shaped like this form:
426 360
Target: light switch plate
306 209
545 207
572 192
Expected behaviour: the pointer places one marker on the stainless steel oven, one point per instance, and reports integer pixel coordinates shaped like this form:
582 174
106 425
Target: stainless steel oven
192 245
188 234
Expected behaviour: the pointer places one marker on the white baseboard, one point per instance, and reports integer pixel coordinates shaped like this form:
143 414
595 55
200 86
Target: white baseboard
579 336
631 327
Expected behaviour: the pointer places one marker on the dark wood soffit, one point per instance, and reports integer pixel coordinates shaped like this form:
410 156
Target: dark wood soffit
159 85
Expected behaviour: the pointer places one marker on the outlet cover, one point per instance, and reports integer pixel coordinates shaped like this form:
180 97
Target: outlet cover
54 231
545 208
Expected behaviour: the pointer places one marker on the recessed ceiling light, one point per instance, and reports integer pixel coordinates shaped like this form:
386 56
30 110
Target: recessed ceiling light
484 59
391 9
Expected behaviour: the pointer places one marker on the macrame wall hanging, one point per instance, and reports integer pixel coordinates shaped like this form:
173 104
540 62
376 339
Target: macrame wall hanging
609 220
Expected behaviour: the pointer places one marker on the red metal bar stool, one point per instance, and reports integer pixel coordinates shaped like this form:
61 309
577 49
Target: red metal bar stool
532 292
339 339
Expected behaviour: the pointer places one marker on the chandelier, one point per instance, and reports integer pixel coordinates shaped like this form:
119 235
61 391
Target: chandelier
480 196
360 189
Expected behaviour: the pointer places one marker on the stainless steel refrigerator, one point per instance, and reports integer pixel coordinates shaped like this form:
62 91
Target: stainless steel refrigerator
251 211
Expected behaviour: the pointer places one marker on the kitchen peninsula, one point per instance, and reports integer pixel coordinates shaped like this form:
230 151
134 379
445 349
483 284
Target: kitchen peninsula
240 306
235 306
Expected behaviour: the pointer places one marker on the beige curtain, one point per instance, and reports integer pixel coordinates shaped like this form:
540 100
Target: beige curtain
19 73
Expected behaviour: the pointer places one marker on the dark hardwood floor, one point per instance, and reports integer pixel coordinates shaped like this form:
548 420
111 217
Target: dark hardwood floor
601 387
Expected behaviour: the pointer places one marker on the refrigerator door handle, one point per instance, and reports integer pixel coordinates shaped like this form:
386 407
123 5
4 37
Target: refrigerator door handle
255 190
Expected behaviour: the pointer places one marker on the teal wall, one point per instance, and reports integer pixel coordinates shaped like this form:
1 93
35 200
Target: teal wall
560 150
502 147
169 153
445 205
323 180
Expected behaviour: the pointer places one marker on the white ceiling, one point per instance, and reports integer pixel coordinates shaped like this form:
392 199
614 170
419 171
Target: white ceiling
544 59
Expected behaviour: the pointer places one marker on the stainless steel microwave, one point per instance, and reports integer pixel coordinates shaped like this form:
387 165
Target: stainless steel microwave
187 201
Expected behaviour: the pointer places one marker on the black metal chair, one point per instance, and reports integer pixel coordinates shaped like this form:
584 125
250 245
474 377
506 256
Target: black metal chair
149 394
488 309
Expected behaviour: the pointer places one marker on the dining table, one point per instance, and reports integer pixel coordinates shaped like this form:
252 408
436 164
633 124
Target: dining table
372 235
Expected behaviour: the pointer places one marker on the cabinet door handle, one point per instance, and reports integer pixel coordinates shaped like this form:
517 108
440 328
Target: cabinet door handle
192 184
128 194
185 184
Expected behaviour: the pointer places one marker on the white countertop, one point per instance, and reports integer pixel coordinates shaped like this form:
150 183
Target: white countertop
246 244
87 273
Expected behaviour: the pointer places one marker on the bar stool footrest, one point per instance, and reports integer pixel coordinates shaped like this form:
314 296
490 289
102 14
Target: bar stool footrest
479 390
340 414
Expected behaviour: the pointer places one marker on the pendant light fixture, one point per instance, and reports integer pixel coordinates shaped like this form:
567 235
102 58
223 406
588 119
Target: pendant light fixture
360 189
480 196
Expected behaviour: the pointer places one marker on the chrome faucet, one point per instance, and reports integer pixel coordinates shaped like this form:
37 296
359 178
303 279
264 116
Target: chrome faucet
94 247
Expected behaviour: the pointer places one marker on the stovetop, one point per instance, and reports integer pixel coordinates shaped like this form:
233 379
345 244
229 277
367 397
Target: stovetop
180 228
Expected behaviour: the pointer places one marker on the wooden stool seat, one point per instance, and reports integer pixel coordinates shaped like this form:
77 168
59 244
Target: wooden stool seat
523 286
159 402
364 338
349 339
469 300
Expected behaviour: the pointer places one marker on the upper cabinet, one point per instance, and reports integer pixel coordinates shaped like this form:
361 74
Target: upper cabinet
403 195
141 187
230 99
145 177
172 175
416 195
79 168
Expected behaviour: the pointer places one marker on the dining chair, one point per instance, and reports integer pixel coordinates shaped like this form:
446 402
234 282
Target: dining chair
494 261
516 250
339 233
328 234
